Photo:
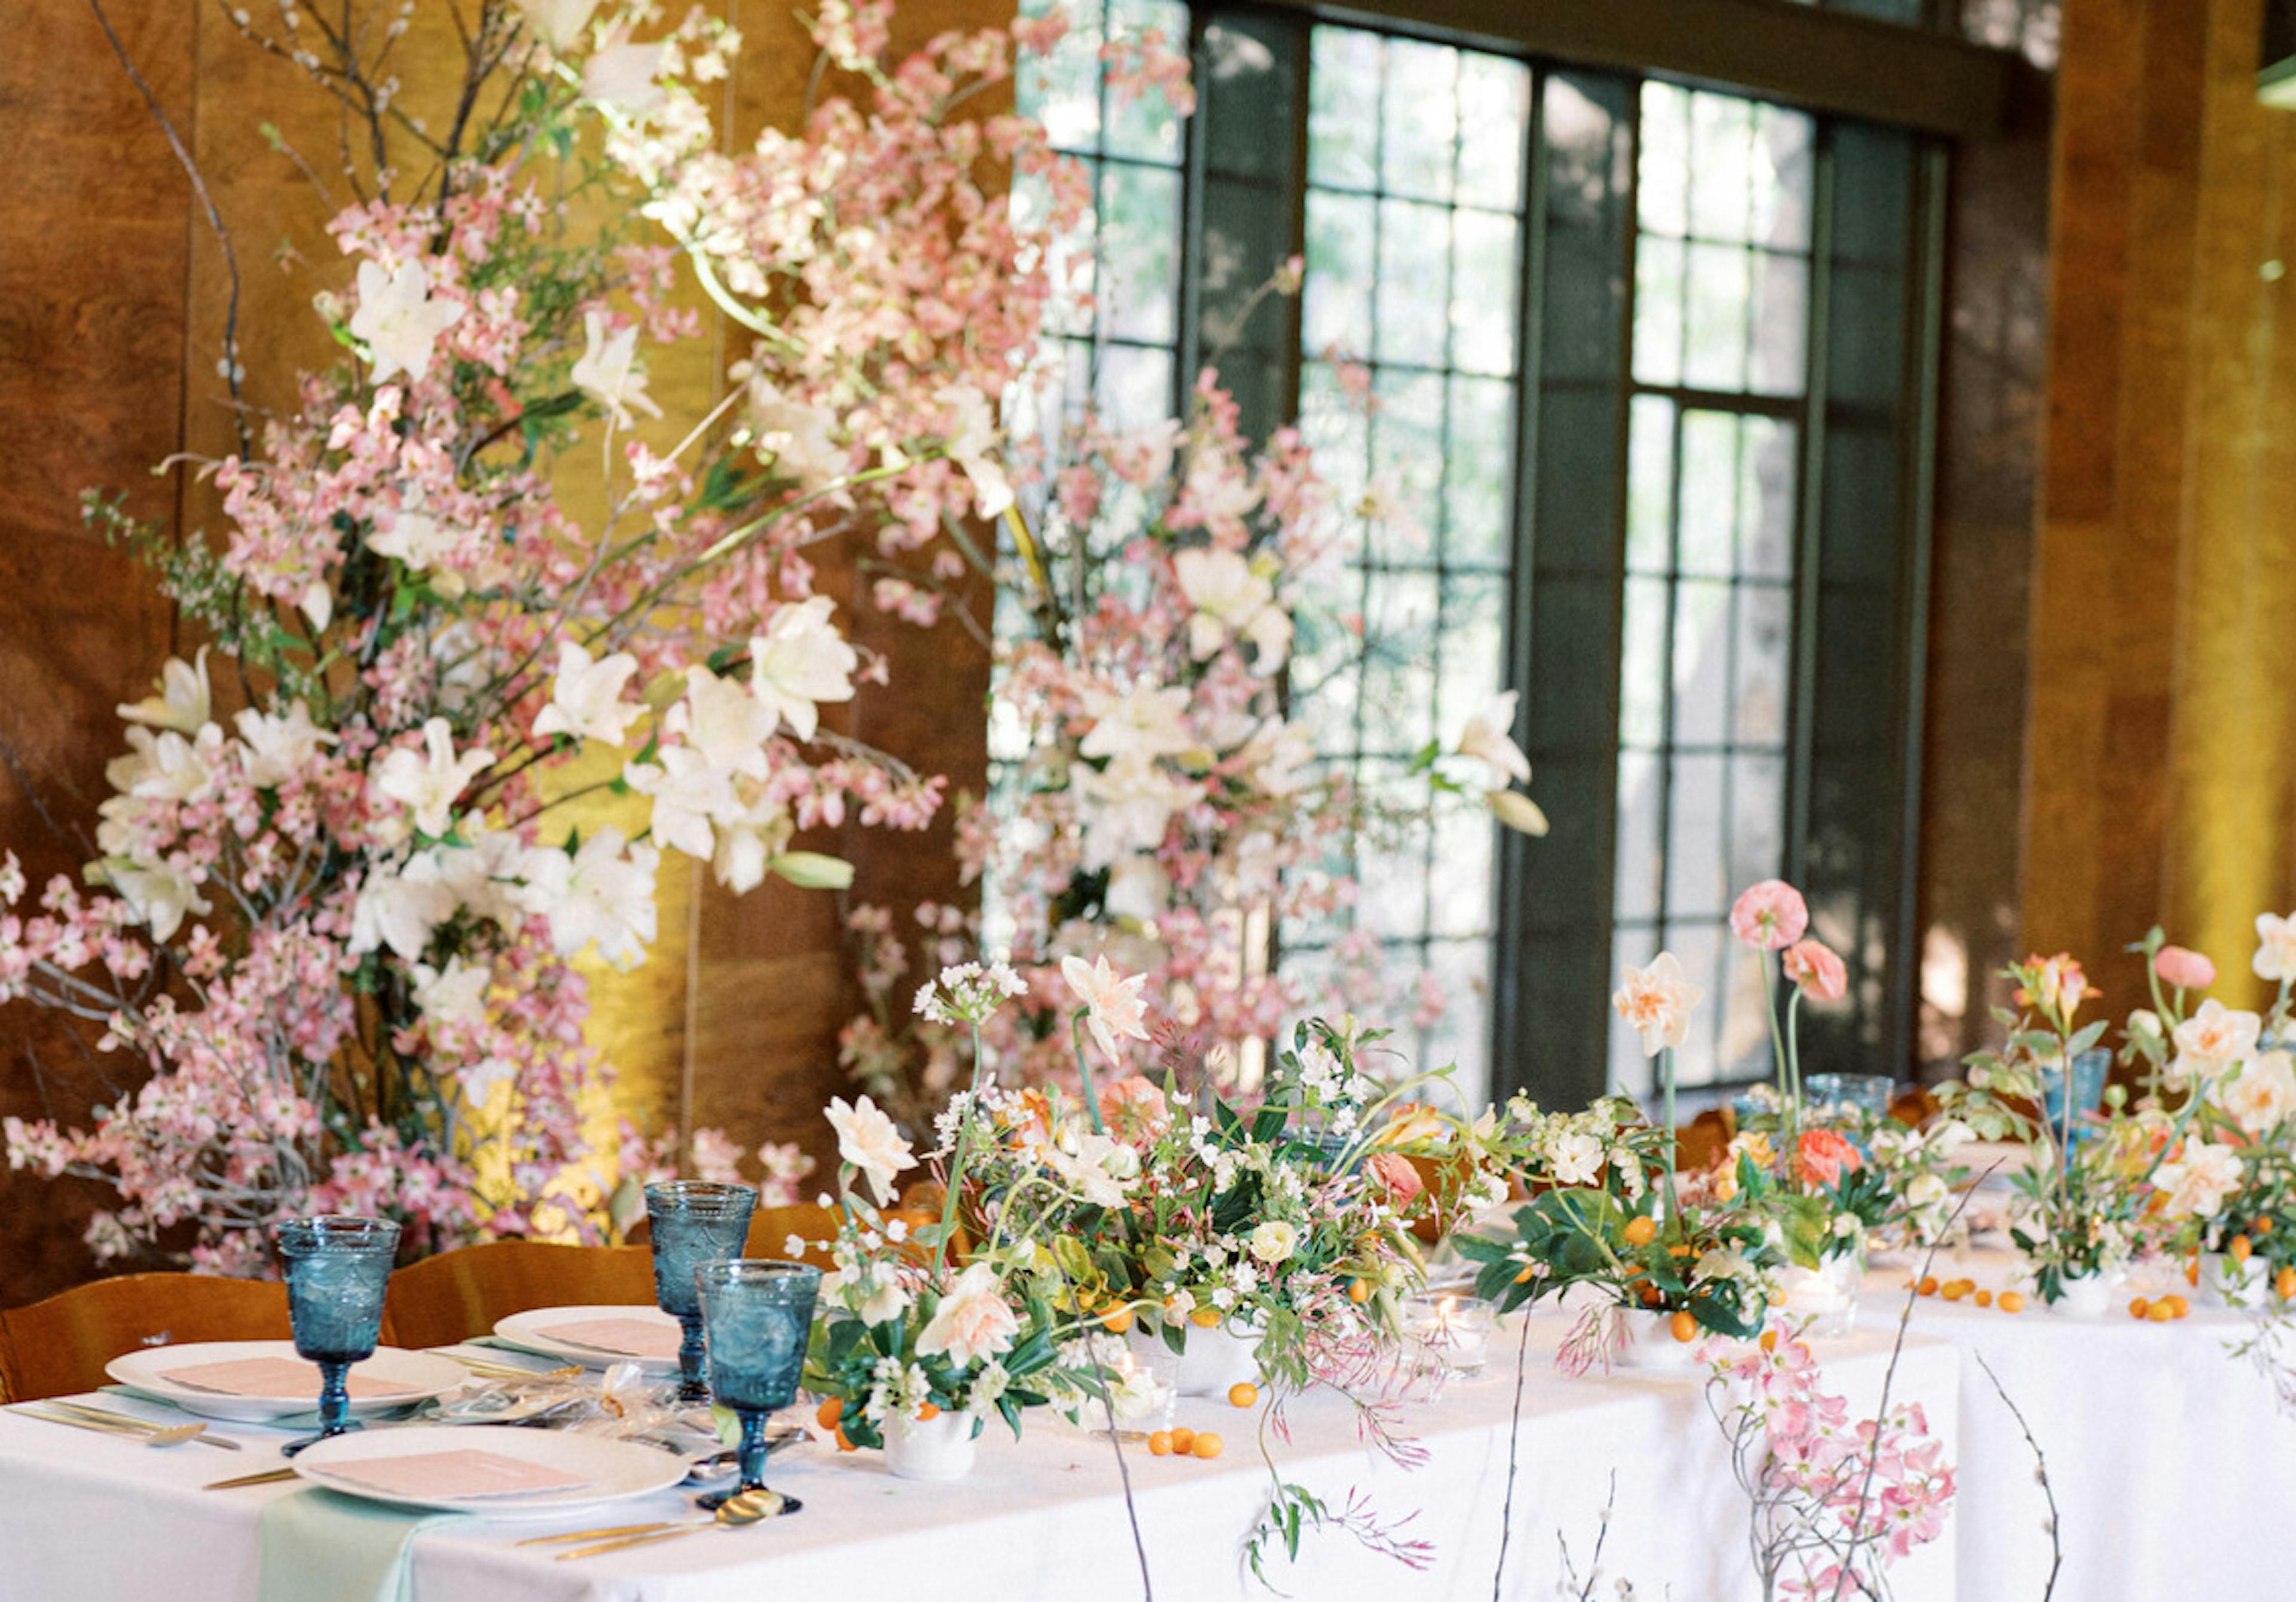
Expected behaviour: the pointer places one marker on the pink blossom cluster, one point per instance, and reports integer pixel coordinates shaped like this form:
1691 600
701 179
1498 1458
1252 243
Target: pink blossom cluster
1837 1500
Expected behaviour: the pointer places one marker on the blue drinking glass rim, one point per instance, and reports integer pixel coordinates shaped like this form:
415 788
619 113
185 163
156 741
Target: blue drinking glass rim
704 1199
335 1232
756 1271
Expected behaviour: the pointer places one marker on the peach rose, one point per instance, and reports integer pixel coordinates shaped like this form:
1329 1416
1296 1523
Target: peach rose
972 1321
1135 1110
1821 1157
1394 1170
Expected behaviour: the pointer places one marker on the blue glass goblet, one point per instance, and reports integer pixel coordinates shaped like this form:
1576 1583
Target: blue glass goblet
695 1221
760 1311
338 1269
2089 1071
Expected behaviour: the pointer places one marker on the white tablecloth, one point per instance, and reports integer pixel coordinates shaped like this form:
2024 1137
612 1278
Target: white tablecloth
2171 1460
93 1519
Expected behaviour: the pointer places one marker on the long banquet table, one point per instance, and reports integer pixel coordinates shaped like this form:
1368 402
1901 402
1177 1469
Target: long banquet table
95 1519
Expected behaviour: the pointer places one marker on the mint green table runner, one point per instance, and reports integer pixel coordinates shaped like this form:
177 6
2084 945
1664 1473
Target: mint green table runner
316 1546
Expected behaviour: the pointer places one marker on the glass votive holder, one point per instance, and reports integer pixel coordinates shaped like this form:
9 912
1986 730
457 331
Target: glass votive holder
338 1271
1867 1093
1454 1331
694 1221
760 1316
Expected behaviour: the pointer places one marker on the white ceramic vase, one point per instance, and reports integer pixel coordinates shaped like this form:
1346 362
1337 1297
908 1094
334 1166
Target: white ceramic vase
1213 1361
2229 1281
938 1448
1646 1343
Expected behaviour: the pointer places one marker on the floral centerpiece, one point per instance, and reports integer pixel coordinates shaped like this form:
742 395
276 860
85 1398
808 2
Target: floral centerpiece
337 898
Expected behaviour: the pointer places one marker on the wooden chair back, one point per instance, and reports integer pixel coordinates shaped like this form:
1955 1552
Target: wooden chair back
465 1292
59 1346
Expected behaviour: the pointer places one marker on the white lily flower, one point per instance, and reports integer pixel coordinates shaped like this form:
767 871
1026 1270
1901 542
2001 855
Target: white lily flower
585 698
402 907
280 747
1488 737
160 894
428 782
749 842
689 794
726 722
1146 720
1231 598
601 892
868 1141
801 439
622 75
800 661
972 436
1127 807
422 544
1111 1002
455 994
558 24
607 371
398 321
184 702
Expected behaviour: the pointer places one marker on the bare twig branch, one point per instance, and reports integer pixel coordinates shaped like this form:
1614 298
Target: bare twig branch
2040 1472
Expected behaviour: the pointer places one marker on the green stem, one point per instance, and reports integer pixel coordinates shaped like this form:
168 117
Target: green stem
1666 1079
956 1160
1084 1068
1788 1093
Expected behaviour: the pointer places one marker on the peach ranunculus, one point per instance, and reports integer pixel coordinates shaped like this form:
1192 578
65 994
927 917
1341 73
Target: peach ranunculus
2212 1040
1771 915
2186 969
1821 1157
1393 1170
2056 985
1135 1110
1810 964
972 1322
1656 1002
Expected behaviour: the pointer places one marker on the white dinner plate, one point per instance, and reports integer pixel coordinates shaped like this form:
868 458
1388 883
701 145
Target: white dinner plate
424 1373
526 1331
610 1470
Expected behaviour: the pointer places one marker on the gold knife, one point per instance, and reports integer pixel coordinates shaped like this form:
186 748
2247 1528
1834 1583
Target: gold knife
268 1476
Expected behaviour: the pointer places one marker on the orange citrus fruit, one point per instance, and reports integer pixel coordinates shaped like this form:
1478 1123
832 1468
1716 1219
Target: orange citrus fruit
1683 1327
1118 1322
1243 1394
2012 1301
2239 1247
1769 1340
1929 1285
1159 1444
831 1410
2139 1308
845 1441
2178 1307
1359 1291
1204 1318
1641 1231
928 1411
2284 1285
1984 1298
2161 1311
1206 1445
1184 1441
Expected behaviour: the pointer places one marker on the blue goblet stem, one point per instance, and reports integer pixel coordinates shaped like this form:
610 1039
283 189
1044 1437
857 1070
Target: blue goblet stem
753 1448
335 1400
692 1386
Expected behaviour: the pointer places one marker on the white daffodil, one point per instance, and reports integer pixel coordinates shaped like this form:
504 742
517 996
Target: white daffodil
607 371
2262 1095
1656 1003
1111 1001
2196 1180
1146 720
623 76
399 321
2211 1040
184 703
558 24
1488 737
601 892
971 436
586 699
724 721
429 781
800 661
868 1141
1231 597
280 747
455 995
2275 947
689 795
162 894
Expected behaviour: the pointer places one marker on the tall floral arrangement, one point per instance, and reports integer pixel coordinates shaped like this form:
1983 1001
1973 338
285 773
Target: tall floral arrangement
336 903
1161 809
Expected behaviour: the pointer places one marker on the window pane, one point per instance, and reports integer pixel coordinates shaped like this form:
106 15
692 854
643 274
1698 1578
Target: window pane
1421 119
1718 282
1343 109
1342 265
1143 127
1650 487
1658 311
1702 661
1642 670
1479 475
1140 234
1494 104
1721 167
1484 290
1710 491
1415 273
1662 175
1758 690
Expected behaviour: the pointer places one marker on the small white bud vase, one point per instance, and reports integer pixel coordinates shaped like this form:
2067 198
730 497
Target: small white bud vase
1646 1343
938 1448
2088 1296
1213 1361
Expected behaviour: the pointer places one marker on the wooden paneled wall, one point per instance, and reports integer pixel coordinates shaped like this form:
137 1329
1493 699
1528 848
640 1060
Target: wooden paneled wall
111 305
2160 748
